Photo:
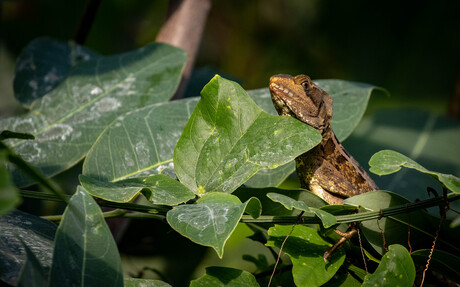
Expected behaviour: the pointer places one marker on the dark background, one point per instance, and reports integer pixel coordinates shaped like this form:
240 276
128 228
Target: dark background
411 48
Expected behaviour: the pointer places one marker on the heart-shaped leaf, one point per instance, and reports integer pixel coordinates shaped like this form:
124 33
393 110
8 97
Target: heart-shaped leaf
225 277
85 253
67 121
306 247
289 203
158 189
43 64
388 161
229 138
212 219
396 269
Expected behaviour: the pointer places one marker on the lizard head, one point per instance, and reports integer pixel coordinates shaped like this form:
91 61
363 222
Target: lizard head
299 97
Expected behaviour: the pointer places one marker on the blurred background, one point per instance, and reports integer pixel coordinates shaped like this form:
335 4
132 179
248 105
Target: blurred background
410 48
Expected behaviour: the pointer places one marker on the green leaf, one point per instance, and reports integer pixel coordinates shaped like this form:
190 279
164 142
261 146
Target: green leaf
158 189
139 143
350 102
225 277
32 273
136 282
43 64
229 138
9 195
326 218
396 269
388 161
422 226
68 120
306 247
269 207
212 219
85 253
18 229
442 262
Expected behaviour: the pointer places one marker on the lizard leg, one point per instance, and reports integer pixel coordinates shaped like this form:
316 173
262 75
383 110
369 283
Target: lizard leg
352 230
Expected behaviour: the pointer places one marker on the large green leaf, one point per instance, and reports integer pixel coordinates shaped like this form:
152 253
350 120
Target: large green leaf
139 143
158 189
387 161
289 203
306 247
43 64
9 195
229 138
32 273
421 225
225 277
349 103
212 219
85 253
396 269
67 121
18 229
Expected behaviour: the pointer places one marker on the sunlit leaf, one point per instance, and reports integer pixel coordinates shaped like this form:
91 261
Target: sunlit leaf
158 189
306 247
388 161
229 138
43 64
290 203
85 253
225 277
396 269
212 219
18 229
68 120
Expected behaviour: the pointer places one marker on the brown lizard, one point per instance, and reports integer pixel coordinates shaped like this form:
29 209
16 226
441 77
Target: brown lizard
327 170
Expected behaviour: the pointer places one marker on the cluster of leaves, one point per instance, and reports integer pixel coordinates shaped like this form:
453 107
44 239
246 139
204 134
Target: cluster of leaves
227 149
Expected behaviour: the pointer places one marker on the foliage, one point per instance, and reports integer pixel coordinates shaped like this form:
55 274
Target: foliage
114 112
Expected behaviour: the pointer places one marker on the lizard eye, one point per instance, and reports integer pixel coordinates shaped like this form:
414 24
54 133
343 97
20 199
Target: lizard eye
305 84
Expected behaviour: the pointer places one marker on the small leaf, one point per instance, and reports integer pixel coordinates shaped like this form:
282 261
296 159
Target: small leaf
32 273
85 253
326 218
9 195
225 277
158 189
67 120
388 161
43 64
136 282
229 138
18 229
306 247
396 269
212 219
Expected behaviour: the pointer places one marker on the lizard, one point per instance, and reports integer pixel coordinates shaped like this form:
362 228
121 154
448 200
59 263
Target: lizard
327 170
